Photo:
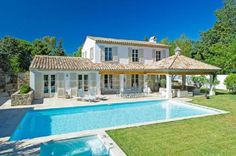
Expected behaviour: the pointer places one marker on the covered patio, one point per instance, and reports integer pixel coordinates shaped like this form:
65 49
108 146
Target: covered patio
166 68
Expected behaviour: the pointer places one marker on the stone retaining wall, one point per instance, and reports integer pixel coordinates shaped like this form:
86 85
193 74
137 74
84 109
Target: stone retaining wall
22 99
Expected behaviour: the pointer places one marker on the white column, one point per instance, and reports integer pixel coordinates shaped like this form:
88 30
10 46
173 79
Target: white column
98 83
168 87
212 92
122 78
145 83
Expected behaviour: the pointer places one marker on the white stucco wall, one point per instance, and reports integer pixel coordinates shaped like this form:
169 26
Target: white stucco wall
89 43
122 51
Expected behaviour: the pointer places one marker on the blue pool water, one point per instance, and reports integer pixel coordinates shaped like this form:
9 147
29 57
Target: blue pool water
85 146
47 122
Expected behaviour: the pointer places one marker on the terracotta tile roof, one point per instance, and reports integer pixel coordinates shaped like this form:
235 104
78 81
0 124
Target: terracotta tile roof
180 62
172 64
103 66
127 42
43 62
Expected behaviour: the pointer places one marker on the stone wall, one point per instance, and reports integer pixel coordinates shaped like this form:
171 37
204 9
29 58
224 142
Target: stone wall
22 99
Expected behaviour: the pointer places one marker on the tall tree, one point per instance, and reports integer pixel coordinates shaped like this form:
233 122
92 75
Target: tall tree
183 42
15 54
48 46
145 38
217 45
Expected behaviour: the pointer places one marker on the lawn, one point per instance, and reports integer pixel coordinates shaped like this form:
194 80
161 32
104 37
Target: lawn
213 135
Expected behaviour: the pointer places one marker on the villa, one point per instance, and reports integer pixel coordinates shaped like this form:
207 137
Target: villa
112 66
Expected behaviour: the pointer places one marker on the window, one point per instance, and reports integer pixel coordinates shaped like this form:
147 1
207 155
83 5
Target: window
85 83
158 55
80 82
108 54
135 55
46 89
53 84
134 81
108 83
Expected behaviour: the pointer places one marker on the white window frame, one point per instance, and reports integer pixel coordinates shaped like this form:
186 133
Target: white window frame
135 55
108 81
82 83
157 55
108 54
49 84
134 80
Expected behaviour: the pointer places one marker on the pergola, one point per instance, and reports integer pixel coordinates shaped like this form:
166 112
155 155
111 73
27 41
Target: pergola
173 65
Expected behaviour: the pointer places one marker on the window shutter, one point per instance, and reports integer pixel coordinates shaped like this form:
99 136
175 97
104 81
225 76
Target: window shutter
154 55
61 85
102 51
141 56
73 84
163 54
91 53
115 54
130 54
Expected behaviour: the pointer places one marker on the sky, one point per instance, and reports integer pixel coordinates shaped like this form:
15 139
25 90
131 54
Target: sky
73 20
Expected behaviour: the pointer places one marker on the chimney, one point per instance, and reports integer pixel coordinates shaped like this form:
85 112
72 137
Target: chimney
177 51
153 39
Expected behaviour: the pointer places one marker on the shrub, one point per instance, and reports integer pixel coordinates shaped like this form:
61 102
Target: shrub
24 89
230 83
163 83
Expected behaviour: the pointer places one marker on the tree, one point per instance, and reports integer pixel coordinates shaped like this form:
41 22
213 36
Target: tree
78 52
217 45
199 81
15 54
145 38
48 46
165 41
230 82
60 51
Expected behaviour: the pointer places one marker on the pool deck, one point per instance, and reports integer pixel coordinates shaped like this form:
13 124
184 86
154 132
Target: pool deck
11 116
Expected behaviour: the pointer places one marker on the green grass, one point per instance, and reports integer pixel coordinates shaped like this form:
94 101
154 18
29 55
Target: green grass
207 136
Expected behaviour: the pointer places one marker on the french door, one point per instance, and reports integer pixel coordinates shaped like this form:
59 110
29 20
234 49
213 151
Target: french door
49 85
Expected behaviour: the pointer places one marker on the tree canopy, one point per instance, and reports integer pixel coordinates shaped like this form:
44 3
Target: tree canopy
217 46
16 54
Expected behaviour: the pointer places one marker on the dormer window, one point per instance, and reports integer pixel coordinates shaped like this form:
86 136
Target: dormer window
108 54
158 56
135 57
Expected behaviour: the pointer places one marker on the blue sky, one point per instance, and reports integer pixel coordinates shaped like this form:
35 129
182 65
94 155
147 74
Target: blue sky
73 20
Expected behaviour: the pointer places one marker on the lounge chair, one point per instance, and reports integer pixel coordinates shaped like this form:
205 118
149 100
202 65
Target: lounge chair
101 97
80 94
90 98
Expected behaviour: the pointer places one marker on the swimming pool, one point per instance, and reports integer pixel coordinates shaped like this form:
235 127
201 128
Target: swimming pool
84 146
38 123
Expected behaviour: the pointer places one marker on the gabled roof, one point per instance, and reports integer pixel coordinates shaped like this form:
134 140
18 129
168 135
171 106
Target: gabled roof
127 42
180 63
42 62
